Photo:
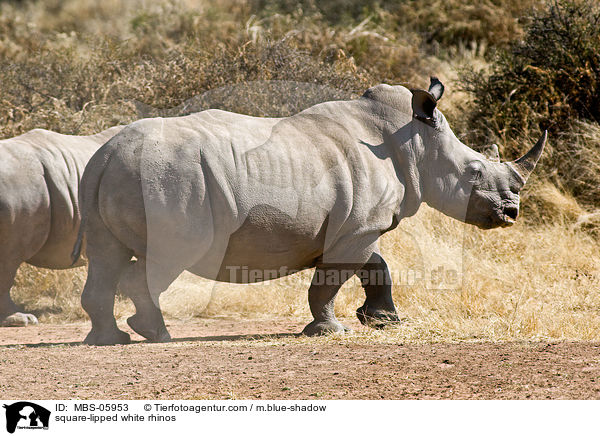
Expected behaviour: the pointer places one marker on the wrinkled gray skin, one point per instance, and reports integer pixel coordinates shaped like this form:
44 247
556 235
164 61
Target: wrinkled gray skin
39 213
216 192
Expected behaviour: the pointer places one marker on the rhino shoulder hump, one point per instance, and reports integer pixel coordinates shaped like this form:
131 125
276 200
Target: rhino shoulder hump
375 92
395 96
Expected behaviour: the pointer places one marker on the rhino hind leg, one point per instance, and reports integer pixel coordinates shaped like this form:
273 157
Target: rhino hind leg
107 258
378 309
9 312
325 285
148 320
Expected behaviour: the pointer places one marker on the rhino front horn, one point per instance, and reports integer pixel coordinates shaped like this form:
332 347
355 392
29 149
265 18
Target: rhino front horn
526 164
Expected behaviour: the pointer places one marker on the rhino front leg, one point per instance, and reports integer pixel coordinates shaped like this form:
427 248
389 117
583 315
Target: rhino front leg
9 312
378 309
326 283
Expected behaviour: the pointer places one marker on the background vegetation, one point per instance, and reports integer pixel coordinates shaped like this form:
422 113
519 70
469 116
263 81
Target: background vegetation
512 68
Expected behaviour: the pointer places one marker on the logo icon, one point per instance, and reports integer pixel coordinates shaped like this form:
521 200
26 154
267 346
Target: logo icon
26 415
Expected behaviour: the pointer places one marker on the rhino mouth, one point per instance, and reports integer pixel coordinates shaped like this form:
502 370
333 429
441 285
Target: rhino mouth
507 221
486 212
500 217
509 215
492 222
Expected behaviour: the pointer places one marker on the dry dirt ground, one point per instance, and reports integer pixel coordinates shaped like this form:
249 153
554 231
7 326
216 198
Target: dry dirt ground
231 359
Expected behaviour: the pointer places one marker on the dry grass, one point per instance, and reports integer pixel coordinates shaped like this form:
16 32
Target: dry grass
75 66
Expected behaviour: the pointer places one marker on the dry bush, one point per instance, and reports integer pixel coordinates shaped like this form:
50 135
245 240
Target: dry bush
75 66
392 56
82 82
447 24
452 24
394 40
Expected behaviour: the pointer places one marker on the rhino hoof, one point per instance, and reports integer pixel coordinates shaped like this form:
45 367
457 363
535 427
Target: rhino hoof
113 337
19 319
150 332
377 319
322 328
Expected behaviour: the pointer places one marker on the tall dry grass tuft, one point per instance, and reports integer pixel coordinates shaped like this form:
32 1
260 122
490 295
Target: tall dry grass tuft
53 295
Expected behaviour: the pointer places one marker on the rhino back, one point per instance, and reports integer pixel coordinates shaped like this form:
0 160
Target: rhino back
40 186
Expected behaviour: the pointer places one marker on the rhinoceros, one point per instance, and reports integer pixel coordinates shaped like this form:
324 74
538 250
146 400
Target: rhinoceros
39 212
241 199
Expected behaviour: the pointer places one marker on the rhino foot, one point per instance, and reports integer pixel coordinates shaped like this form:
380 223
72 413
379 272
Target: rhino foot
19 319
107 337
376 318
322 328
151 331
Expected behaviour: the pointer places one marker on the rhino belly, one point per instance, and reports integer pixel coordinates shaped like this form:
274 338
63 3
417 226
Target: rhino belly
24 231
269 244
57 255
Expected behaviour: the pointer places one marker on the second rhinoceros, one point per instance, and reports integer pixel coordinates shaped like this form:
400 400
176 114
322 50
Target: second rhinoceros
39 211
240 199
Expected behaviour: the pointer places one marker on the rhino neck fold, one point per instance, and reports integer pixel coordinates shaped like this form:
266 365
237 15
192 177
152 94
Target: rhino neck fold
408 157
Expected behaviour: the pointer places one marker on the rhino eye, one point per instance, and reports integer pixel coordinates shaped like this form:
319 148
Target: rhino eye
476 175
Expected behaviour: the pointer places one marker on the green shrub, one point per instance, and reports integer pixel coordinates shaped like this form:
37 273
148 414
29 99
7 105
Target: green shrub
547 80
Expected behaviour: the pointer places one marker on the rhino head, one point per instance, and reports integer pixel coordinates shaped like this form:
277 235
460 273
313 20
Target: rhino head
457 180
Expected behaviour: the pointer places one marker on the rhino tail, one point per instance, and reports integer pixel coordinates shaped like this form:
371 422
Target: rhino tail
88 193
76 254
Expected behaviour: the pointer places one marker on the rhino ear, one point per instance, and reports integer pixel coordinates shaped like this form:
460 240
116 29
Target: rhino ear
491 153
424 102
436 88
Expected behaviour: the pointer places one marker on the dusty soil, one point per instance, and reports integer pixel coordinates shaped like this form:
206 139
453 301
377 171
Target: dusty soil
221 359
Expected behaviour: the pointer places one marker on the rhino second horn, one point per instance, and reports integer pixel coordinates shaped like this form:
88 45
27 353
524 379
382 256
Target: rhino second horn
526 164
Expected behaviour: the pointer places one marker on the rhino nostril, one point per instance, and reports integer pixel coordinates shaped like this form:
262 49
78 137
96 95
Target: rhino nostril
511 212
